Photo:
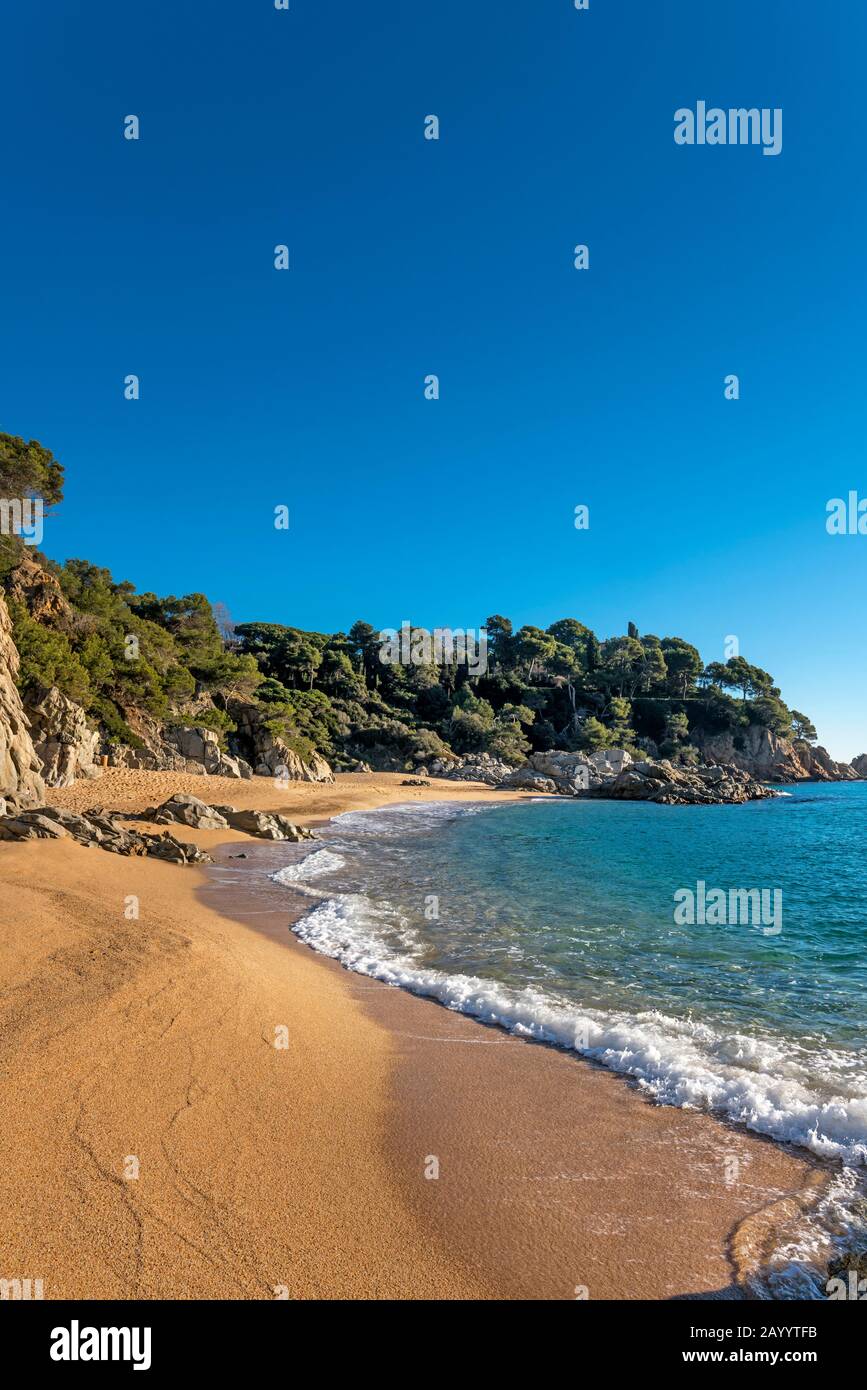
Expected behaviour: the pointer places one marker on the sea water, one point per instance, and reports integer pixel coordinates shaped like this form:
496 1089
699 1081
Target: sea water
562 921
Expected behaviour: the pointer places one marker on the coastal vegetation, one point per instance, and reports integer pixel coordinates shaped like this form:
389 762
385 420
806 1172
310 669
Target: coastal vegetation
116 652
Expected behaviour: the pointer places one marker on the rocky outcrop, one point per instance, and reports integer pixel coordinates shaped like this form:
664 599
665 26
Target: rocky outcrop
98 828
526 780
568 773
859 765
764 755
40 593
267 753
68 747
201 746
151 753
477 767
759 757
573 773
30 825
65 744
182 809
668 785
265 825
20 769
821 767
107 829
177 748
612 774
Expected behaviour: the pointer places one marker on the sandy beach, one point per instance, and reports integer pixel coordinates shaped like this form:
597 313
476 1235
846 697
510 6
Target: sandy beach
157 1144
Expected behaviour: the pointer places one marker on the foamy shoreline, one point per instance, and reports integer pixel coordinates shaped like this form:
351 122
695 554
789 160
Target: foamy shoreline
305 1166
749 1078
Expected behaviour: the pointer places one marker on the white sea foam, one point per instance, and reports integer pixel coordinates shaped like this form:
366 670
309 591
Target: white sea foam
804 1092
798 1268
321 861
769 1086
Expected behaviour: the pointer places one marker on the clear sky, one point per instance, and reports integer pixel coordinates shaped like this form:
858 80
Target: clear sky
305 388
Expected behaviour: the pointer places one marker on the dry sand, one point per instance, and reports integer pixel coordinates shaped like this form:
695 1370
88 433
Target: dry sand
148 1045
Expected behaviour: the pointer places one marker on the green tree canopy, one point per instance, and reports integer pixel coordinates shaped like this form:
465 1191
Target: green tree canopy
27 469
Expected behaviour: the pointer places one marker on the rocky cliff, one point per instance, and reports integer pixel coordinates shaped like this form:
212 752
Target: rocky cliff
50 740
65 744
20 773
40 593
763 755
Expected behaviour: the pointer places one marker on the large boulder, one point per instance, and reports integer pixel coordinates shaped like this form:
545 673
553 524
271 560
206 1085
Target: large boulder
202 746
859 765
182 809
573 773
265 825
570 772
31 826
64 742
609 762
525 779
20 769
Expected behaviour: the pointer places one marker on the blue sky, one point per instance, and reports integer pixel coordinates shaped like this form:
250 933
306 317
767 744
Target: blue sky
409 257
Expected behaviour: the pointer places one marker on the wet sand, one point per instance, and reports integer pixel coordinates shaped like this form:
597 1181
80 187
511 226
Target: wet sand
148 1044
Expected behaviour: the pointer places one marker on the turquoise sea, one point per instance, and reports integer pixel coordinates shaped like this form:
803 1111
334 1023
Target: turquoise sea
557 919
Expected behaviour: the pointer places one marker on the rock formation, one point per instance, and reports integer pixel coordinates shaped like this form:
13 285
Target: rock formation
183 809
201 748
477 767
106 829
576 772
40 593
764 755
19 766
268 754
65 744
101 829
568 773
611 773
681 786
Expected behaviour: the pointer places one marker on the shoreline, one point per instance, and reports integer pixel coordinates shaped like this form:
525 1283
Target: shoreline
554 1174
434 1088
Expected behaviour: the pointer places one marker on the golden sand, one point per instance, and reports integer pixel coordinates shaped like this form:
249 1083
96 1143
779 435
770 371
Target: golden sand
146 1046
